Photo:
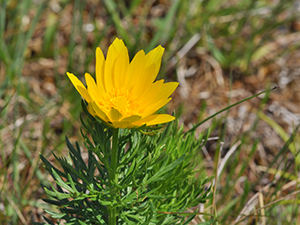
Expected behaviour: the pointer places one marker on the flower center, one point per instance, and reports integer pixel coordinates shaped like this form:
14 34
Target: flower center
122 101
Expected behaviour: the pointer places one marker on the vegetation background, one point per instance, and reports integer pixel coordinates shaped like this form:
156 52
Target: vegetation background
220 52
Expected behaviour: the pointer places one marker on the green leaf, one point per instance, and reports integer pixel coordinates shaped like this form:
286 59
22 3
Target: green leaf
164 170
61 183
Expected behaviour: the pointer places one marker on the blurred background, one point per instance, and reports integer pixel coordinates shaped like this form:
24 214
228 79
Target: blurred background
220 52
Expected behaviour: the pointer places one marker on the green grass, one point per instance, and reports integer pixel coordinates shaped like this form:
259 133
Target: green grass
40 41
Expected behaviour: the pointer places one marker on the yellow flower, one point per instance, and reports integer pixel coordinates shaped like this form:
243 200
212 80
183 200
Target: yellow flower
125 94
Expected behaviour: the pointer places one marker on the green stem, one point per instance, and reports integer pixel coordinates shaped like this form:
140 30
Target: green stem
113 176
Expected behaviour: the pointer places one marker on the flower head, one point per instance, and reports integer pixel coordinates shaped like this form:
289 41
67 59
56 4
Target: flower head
125 94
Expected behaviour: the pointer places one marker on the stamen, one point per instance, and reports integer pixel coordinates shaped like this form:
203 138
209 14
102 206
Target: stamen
121 100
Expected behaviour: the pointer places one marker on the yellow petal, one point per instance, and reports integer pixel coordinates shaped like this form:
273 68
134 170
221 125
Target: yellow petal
155 119
152 66
99 112
154 107
135 73
79 87
92 87
114 115
132 118
100 64
91 110
150 94
166 90
109 73
122 125
121 68
118 44
147 80
154 58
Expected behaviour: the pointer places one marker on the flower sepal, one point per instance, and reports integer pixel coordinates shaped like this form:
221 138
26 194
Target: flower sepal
149 130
